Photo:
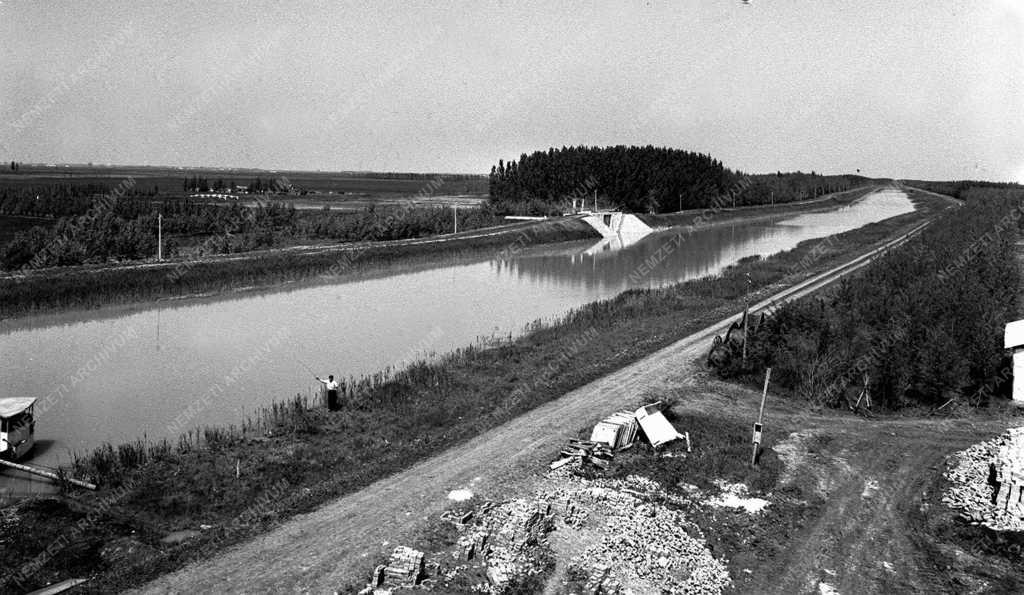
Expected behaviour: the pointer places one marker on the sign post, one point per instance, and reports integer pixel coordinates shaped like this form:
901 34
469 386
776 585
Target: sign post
760 419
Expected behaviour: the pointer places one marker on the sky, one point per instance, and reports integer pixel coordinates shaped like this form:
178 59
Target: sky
894 88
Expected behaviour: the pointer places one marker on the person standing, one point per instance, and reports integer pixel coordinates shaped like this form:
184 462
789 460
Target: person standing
332 392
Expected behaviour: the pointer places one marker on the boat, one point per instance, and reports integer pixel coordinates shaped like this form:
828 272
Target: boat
17 427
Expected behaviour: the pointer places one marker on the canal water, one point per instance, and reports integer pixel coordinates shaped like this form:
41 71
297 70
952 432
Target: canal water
160 371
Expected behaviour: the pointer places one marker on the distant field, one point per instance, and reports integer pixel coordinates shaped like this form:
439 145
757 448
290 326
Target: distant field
359 202
9 226
170 180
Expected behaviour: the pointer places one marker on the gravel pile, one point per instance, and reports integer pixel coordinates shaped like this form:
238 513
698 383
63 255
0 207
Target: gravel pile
644 546
985 482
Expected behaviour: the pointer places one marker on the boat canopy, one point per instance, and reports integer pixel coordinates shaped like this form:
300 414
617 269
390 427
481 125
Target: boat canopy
12 406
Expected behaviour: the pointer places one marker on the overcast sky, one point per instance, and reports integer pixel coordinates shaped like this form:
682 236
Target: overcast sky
895 88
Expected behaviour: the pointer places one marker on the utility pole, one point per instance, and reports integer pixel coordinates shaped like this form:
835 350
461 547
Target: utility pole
746 313
455 215
159 237
760 418
595 200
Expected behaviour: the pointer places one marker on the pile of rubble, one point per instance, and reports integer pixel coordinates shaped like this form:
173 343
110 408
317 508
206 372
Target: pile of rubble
404 569
987 480
614 536
641 544
586 452
506 538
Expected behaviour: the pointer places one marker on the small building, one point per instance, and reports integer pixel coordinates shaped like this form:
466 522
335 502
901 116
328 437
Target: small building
1013 339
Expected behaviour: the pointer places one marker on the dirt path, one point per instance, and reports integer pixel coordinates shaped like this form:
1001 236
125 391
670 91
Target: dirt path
324 550
863 542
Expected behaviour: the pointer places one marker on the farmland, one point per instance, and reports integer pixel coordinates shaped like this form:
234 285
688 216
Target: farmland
169 180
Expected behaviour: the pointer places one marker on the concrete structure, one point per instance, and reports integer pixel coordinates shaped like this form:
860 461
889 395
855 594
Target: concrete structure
1013 339
616 225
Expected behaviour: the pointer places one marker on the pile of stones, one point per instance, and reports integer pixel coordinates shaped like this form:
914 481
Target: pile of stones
508 537
404 569
644 545
987 481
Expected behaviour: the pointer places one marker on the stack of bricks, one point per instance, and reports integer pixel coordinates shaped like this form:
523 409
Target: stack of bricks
471 545
1007 473
525 524
405 568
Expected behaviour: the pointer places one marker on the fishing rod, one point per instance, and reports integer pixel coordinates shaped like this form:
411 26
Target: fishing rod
303 364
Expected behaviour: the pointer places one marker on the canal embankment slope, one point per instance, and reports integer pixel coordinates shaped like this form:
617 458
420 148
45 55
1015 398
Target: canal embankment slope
723 214
29 293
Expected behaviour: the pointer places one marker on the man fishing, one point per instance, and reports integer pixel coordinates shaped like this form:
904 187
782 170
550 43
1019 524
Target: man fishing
332 392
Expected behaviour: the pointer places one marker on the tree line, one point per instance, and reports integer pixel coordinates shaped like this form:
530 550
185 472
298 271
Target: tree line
959 188
52 200
126 227
257 185
643 179
920 326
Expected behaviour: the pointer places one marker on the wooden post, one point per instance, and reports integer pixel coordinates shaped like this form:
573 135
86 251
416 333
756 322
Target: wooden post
49 474
760 418
746 310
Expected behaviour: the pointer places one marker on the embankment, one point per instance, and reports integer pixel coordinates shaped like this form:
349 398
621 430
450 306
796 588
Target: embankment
86 287
720 215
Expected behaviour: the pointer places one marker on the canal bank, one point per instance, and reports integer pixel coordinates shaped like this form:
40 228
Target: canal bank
431 407
219 360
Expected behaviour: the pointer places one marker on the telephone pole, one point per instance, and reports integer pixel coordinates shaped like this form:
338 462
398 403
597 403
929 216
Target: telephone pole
760 418
159 237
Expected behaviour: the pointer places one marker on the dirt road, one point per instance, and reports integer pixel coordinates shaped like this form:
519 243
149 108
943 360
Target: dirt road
325 550
864 542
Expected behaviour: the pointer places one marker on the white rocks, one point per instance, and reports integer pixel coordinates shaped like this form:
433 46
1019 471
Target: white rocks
460 495
986 482
735 496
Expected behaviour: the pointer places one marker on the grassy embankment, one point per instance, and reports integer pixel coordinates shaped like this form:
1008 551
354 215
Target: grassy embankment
747 213
59 289
391 422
